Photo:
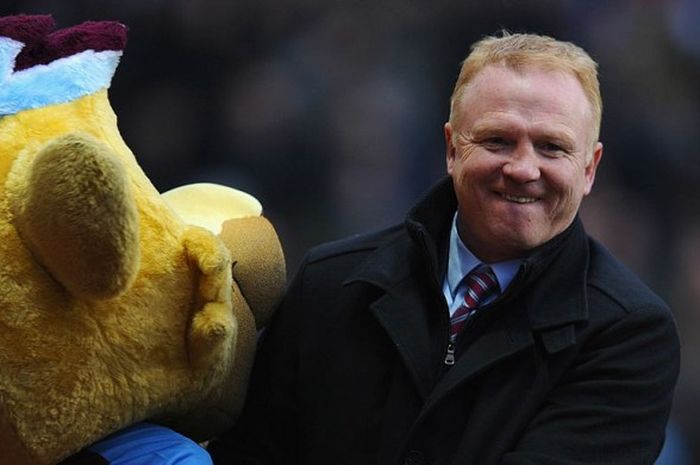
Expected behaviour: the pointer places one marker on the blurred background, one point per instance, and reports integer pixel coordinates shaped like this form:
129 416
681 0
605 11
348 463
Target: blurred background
331 113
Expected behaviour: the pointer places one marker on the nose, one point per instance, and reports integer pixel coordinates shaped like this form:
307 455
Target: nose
523 165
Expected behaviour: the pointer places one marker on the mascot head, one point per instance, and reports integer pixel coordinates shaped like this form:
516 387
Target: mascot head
117 303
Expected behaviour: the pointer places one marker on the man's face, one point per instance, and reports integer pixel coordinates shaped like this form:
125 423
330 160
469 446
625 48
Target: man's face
521 155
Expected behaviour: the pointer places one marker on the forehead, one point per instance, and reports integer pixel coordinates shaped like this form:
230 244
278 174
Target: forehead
533 94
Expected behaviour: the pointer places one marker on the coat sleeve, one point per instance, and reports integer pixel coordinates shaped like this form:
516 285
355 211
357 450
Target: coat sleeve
611 406
266 432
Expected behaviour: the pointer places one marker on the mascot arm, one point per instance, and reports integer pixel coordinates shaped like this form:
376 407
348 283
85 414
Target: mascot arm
258 270
258 259
73 209
212 325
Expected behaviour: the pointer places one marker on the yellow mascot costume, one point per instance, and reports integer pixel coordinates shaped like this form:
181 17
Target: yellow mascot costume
117 303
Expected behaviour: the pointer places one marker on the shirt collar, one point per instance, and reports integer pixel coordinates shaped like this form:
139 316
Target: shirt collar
461 261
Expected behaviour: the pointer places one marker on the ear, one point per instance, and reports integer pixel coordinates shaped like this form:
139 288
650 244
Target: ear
74 210
592 167
450 151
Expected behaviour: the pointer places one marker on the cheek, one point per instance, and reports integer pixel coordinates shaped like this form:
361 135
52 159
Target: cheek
569 190
466 177
478 166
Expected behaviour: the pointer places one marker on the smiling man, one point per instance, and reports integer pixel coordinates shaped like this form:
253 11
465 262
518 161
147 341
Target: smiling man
488 328
522 150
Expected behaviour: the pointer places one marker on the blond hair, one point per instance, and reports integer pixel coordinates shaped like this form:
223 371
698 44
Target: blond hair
519 50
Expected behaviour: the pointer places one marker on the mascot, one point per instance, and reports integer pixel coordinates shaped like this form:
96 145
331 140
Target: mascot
117 304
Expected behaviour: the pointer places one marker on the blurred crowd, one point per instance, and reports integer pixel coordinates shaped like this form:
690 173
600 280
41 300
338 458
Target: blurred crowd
331 113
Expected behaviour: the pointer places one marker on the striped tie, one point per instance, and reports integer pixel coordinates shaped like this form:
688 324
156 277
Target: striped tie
480 284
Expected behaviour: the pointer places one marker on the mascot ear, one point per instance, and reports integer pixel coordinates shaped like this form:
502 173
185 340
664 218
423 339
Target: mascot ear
73 209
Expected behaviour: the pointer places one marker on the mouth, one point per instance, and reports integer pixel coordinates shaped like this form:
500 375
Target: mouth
518 198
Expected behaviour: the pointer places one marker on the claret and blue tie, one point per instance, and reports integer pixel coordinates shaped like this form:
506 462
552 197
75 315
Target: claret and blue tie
480 284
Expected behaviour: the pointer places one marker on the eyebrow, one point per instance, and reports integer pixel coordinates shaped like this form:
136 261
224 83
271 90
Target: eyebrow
495 127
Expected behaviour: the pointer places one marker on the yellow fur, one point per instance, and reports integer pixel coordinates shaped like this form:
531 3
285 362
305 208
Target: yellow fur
112 309
73 196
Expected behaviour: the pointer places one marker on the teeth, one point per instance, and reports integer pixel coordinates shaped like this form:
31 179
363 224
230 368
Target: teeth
518 199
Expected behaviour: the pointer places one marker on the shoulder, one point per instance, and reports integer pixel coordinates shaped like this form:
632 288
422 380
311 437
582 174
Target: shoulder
629 320
318 297
326 268
611 283
352 247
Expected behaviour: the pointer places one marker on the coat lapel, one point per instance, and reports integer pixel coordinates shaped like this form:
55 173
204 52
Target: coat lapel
404 319
402 311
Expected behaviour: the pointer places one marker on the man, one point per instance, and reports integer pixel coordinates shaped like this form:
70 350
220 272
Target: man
486 329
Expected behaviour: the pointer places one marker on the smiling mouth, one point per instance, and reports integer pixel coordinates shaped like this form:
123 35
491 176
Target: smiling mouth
518 198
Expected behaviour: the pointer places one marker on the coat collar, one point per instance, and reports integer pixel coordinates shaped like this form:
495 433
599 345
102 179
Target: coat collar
548 291
552 280
422 241
558 267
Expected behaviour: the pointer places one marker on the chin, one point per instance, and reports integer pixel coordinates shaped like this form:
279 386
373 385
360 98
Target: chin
517 245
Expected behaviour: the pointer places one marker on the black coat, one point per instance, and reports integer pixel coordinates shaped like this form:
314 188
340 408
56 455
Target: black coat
574 364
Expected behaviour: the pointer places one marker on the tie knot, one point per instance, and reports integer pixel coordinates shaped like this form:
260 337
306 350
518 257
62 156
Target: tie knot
479 285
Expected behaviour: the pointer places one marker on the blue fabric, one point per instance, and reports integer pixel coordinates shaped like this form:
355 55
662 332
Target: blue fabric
676 450
63 80
148 444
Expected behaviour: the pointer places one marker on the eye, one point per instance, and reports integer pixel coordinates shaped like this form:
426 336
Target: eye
495 143
552 149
